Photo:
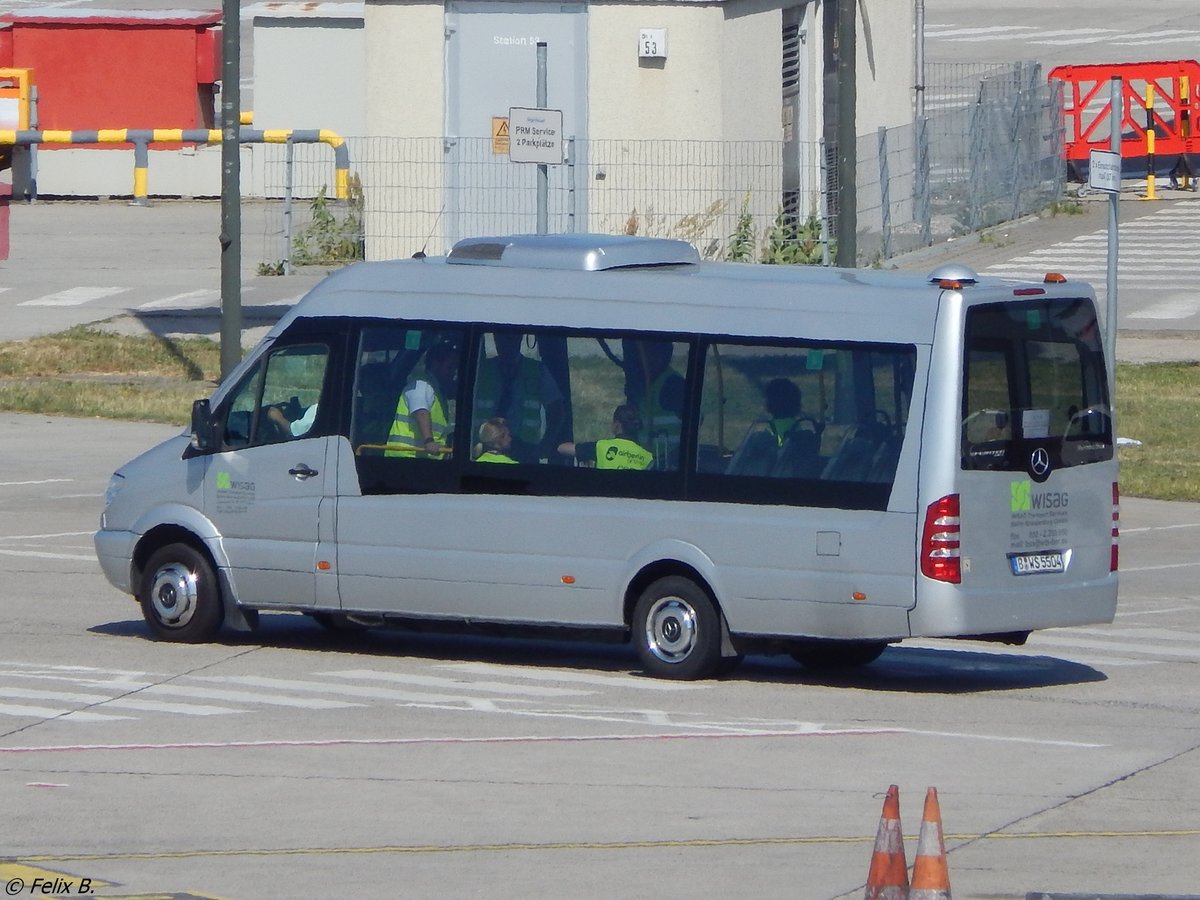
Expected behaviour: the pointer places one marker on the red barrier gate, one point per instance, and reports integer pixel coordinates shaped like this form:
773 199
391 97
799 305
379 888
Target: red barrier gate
1162 96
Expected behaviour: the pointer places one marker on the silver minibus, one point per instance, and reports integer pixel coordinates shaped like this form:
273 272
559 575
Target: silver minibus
608 436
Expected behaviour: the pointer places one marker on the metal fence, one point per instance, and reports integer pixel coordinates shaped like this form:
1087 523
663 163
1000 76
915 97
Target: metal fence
995 156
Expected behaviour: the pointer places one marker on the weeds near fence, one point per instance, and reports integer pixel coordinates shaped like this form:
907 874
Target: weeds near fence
692 228
330 239
788 242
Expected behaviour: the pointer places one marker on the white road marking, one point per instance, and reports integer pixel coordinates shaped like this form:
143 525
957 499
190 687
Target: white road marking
37 554
487 687
60 715
186 300
351 690
76 296
629 681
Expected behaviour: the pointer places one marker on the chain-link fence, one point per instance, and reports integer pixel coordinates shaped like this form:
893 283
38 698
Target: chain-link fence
994 157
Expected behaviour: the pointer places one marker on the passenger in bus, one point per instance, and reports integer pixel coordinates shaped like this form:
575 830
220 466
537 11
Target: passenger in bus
657 391
495 441
421 427
782 444
519 389
621 451
782 400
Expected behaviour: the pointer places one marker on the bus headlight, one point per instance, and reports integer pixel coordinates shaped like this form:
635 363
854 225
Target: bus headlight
114 486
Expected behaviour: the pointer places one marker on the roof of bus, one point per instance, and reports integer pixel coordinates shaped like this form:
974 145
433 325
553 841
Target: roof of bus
712 297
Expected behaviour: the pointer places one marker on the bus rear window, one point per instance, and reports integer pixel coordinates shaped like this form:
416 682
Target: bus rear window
1034 378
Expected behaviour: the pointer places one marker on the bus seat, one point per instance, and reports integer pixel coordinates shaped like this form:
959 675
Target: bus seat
756 456
856 456
799 457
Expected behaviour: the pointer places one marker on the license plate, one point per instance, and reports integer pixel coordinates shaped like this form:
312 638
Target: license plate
1037 563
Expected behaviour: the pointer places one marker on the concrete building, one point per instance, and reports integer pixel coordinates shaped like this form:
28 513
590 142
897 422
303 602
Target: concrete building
689 93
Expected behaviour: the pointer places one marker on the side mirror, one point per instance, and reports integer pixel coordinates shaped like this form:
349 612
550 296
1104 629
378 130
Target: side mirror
205 438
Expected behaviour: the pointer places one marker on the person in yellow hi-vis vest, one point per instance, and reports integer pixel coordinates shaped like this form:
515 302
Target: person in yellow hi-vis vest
621 451
519 389
422 427
495 439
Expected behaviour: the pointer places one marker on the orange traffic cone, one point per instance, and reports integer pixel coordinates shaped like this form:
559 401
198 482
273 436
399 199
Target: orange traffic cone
888 878
931 878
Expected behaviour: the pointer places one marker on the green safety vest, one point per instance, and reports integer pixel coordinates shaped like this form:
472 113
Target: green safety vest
622 453
404 438
781 428
526 392
494 456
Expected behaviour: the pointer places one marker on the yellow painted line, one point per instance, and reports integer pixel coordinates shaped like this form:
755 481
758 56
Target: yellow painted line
113 135
58 137
595 845
8 137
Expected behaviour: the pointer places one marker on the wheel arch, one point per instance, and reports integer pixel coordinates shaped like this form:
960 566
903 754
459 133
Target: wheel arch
663 568
235 617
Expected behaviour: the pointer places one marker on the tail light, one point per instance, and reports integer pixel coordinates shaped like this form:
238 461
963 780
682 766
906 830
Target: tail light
1116 527
939 541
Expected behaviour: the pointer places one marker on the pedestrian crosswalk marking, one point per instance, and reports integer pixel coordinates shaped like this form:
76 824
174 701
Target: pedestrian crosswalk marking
76 296
1156 251
492 687
186 300
1058 37
1169 309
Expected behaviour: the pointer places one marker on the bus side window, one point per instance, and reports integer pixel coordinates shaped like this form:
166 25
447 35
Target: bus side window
655 387
515 383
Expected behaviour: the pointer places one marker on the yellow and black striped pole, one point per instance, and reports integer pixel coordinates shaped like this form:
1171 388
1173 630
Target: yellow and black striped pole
1150 135
1185 127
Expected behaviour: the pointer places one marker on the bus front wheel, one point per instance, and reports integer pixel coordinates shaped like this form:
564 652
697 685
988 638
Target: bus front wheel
179 595
677 630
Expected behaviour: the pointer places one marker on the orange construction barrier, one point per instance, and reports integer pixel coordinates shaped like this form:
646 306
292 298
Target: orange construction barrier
1159 103
931 878
888 877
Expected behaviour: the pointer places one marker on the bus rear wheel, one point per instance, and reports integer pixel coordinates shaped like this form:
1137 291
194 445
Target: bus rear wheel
179 595
677 630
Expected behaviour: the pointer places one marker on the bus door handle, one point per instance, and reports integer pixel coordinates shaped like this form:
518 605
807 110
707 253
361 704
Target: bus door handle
301 472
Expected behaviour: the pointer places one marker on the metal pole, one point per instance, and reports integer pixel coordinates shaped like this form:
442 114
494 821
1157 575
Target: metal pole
1116 95
920 108
543 178
571 192
847 150
289 158
231 188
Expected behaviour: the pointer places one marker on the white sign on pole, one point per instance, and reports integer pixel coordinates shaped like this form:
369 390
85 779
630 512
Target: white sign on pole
535 136
1104 171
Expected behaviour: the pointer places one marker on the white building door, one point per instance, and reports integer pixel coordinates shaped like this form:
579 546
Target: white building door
492 65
